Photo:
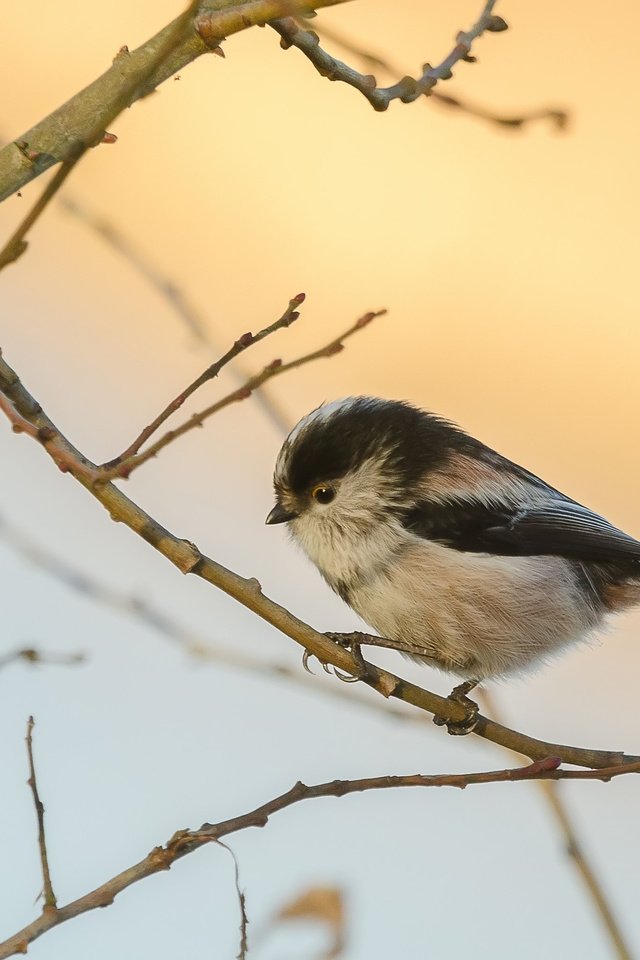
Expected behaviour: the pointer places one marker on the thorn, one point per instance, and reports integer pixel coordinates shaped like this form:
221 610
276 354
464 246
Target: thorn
219 52
122 52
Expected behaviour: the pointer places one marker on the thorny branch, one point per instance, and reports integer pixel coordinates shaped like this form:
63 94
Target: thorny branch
50 903
124 467
289 316
409 88
184 842
28 415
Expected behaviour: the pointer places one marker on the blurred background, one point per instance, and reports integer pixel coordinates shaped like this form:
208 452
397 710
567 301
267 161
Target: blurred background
507 260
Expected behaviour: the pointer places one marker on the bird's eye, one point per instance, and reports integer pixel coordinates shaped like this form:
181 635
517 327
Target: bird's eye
323 493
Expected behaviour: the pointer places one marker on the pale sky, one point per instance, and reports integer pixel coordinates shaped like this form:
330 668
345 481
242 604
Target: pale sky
508 263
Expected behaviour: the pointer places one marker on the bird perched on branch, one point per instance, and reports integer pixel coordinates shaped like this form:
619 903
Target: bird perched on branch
454 554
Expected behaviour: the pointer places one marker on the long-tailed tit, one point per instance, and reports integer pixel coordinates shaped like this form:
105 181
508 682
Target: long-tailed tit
444 546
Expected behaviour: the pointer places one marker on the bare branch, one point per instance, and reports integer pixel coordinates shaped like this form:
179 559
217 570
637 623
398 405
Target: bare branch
558 117
244 920
111 234
191 643
289 316
50 903
78 580
124 467
593 885
53 139
16 244
185 842
93 134
409 88
188 559
555 115
31 655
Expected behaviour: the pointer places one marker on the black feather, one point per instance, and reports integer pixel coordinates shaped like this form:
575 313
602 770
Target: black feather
560 528
413 441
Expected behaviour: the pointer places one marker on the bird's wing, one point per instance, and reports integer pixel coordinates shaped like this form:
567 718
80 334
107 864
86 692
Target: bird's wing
528 519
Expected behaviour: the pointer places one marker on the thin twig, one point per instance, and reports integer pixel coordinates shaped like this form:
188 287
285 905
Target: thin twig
114 236
515 121
189 559
289 316
408 89
242 903
31 655
16 244
575 849
185 842
559 118
50 903
124 467
168 288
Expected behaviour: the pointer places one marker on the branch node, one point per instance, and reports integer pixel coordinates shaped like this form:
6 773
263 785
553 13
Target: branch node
496 24
121 54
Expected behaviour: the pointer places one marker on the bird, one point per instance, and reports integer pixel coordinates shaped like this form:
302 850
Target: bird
454 554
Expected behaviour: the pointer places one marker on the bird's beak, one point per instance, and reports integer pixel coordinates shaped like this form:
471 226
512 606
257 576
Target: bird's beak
280 515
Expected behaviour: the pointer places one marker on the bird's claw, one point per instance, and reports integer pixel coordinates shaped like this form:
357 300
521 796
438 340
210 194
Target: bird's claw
349 643
460 728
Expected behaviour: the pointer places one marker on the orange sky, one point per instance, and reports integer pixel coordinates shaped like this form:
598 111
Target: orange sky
507 260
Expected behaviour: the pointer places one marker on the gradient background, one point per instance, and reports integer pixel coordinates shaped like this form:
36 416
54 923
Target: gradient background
508 262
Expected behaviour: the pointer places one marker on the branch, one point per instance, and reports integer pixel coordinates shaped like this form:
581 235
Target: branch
93 133
289 316
50 903
559 118
192 644
78 580
516 121
576 851
188 559
409 88
244 920
31 655
185 842
16 244
164 284
124 467
55 138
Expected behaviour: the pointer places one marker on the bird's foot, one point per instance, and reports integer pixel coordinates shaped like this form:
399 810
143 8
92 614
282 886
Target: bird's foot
350 642
460 728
